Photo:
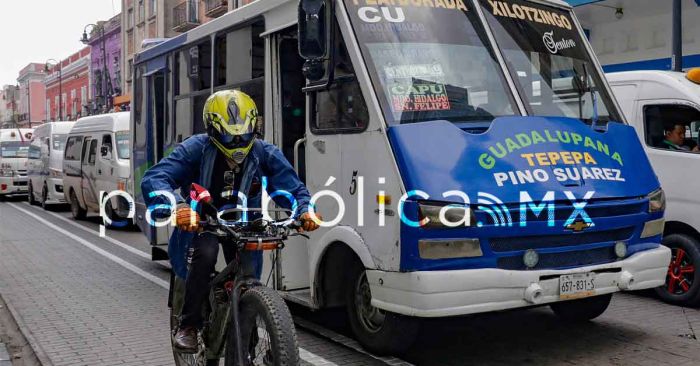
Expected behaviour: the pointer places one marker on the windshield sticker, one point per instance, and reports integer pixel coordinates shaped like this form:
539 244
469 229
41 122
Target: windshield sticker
519 11
444 4
419 96
418 71
554 46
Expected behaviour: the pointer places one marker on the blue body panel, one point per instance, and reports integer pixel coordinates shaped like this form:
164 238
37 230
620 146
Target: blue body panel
436 157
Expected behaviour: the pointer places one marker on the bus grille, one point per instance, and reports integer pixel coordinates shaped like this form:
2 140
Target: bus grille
561 260
512 243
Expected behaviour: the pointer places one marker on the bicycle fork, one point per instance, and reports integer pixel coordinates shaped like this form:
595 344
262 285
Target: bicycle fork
235 321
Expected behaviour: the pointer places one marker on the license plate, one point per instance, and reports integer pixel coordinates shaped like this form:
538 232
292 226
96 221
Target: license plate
576 285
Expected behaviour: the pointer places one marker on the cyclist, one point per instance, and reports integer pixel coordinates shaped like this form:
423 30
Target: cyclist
229 161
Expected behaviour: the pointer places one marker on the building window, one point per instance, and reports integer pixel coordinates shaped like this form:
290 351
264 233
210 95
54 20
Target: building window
142 12
130 19
129 68
130 42
55 112
64 104
48 109
74 103
152 8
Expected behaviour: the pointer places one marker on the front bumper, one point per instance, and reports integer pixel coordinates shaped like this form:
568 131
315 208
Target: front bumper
55 191
460 292
13 185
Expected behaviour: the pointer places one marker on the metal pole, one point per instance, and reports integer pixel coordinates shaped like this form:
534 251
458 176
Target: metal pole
105 71
677 57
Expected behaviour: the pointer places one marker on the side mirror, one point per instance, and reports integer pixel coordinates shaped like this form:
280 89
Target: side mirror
313 36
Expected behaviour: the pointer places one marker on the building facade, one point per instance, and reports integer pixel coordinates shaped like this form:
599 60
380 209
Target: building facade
32 94
105 42
637 34
68 87
154 19
8 106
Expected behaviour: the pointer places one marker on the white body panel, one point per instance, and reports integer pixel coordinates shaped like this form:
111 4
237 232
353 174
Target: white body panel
45 164
17 182
89 178
676 170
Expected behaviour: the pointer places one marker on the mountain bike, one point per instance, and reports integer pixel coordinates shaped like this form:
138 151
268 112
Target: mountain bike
246 322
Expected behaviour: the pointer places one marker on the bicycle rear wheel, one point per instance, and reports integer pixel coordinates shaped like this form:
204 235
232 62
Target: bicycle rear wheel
267 330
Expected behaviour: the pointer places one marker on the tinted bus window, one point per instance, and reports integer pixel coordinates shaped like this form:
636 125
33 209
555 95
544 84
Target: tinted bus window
233 69
73 148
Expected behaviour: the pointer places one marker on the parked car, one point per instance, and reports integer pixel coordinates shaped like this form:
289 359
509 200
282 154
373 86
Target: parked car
96 162
653 101
45 163
14 146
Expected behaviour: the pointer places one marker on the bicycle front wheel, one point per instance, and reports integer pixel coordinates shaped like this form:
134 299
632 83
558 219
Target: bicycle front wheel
268 336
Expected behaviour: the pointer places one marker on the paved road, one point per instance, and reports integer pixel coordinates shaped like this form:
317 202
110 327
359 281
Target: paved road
92 301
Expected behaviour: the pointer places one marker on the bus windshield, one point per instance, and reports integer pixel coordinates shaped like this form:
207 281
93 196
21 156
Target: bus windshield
430 60
59 141
14 149
547 58
123 150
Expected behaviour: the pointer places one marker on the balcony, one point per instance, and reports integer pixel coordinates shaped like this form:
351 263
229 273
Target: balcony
185 16
214 8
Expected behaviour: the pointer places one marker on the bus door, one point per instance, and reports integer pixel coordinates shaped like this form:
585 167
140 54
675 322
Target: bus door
289 129
89 179
157 125
157 111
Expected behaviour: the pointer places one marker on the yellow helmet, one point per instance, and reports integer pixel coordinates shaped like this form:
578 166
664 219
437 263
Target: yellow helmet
230 118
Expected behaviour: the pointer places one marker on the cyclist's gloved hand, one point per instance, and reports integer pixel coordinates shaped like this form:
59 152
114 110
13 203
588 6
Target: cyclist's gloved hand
186 219
309 223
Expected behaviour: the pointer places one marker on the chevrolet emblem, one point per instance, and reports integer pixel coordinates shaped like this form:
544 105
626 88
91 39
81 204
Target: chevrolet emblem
578 226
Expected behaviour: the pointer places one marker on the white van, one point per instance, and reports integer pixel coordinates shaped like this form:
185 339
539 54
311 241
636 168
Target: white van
96 160
45 163
14 147
654 102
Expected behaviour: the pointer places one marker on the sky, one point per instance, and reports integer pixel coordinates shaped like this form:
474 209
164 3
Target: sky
37 30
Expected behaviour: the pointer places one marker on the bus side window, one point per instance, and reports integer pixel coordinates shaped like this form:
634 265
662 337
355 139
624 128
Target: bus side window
341 108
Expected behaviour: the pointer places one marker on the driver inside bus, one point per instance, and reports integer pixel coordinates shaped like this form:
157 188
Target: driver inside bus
228 160
674 138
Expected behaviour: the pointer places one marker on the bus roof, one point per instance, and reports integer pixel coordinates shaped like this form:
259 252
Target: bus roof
103 122
278 14
16 134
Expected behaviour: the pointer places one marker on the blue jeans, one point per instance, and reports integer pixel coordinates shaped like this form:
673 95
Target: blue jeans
205 251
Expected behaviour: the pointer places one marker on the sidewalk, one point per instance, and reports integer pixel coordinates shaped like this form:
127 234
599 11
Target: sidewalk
79 307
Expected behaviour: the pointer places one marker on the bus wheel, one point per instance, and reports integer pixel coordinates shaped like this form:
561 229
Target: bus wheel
377 330
582 309
682 285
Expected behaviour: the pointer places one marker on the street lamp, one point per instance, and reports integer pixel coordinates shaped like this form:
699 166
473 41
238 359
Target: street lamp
105 72
60 84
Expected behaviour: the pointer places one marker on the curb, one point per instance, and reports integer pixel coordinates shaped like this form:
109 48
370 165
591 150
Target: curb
43 358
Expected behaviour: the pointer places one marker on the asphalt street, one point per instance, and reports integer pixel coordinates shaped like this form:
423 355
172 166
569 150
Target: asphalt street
85 300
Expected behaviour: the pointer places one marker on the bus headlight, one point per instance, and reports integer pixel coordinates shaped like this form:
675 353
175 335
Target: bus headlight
7 173
657 200
446 215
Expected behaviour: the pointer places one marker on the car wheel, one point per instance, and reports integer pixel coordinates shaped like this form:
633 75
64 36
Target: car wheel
30 195
44 197
682 285
78 212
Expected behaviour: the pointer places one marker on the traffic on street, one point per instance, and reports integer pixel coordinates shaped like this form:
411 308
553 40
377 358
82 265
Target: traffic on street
366 182
100 301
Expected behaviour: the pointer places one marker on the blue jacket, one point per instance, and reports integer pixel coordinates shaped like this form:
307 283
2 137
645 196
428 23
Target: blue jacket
193 162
